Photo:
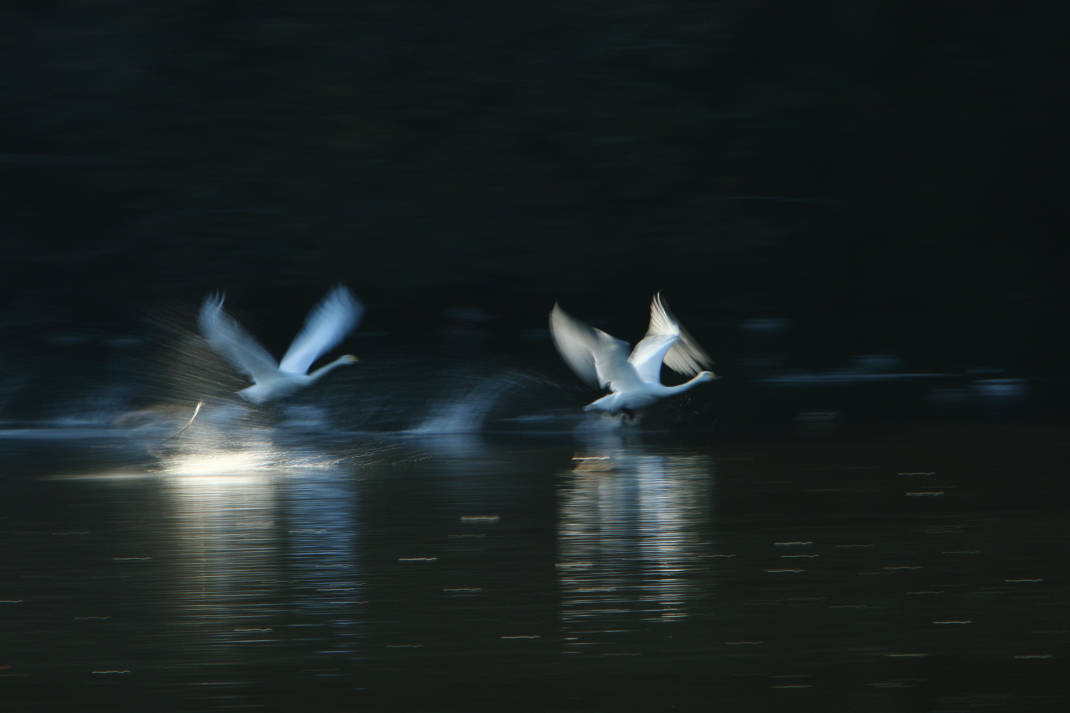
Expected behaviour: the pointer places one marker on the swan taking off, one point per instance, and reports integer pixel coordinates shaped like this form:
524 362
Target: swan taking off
634 381
327 324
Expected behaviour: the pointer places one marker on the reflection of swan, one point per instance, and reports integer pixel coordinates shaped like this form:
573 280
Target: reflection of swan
223 563
635 536
634 381
327 324
249 537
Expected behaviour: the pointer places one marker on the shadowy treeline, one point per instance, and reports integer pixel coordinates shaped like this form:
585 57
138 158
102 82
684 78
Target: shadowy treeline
889 176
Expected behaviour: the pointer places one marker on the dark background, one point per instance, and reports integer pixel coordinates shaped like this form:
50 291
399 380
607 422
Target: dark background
890 177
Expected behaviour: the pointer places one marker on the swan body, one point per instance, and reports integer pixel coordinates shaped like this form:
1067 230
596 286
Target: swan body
327 324
634 380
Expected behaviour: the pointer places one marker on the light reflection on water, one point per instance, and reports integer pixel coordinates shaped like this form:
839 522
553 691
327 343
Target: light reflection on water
260 531
224 546
248 571
323 554
632 540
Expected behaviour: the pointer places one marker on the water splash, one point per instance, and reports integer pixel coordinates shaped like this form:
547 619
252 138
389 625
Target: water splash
467 412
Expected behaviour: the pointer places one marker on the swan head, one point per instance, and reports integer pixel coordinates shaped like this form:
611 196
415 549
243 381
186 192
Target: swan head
348 359
706 376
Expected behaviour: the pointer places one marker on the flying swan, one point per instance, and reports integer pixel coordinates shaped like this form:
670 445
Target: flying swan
634 381
327 324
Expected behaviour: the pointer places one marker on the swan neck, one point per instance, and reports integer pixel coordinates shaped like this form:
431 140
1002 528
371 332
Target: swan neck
328 367
680 388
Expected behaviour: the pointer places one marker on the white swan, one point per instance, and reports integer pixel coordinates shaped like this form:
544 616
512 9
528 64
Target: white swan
634 381
327 324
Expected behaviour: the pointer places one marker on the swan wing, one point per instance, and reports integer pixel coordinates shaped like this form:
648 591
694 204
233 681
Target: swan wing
648 355
615 372
335 316
598 358
666 341
231 341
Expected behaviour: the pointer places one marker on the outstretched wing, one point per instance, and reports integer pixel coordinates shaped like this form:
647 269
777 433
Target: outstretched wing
666 341
596 357
327 324
230 340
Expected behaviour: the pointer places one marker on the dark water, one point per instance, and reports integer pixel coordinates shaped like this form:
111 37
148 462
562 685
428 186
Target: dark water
901 570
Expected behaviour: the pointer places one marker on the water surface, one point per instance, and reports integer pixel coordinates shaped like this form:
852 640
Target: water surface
902 570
